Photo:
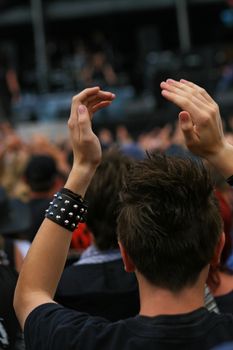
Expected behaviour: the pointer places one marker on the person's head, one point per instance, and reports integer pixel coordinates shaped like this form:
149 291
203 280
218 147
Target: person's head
169 224
98 59
103 198
223 193
41 173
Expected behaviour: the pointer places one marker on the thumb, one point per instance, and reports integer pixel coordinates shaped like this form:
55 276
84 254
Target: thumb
186 126
84 122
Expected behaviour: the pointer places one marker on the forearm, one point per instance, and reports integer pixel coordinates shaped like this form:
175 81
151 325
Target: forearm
80 178
45 261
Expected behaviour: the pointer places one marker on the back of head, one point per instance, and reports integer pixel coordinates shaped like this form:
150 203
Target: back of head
169 221
40 173
224 195
103 198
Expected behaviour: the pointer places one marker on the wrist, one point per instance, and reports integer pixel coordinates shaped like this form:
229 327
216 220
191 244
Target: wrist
223 160
80 178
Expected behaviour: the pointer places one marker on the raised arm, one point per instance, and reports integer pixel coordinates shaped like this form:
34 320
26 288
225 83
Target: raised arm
45 261
201 123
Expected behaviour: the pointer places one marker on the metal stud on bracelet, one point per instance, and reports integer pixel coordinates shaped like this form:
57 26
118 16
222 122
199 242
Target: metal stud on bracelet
67 209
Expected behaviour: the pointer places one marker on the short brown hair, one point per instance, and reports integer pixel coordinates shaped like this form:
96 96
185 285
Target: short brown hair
169 221
103 198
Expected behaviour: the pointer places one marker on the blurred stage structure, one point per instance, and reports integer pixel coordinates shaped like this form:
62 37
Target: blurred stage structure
38 14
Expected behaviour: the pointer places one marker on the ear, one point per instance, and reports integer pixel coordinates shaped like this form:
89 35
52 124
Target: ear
218 250
129 265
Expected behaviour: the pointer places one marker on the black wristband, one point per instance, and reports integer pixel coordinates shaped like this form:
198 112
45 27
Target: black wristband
67 209
229 180
71 194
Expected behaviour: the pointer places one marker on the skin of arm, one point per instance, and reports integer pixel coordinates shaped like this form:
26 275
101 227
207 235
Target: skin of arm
45 261
201 124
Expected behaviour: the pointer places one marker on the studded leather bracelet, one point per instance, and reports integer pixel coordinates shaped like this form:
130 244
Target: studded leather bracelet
67 209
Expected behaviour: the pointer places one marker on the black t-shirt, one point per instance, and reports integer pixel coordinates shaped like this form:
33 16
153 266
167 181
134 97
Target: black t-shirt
103 289
10 332
225 303
52 327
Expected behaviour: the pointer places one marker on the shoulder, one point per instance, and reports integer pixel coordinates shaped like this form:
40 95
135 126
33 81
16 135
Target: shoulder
222 321
51 325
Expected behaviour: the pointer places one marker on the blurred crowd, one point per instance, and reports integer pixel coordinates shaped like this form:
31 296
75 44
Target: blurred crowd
139 122
32 170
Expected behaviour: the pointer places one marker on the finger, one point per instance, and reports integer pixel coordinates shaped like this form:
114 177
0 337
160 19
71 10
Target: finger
183 90
101 105
80 99
202 91
86 93
84 123
181 101
187 128
192 89
190 100
106 94
93 100
103 95
176 87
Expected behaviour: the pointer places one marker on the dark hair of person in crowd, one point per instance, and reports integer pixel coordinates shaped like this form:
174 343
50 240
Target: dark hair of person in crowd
103 196
40 173
12 339
224 195
214 280
169 220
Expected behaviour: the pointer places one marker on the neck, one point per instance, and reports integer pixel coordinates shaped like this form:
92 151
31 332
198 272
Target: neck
157 301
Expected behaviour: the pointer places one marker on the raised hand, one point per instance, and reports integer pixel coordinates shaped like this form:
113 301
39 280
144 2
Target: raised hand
93 98
200 119
200 122
85 144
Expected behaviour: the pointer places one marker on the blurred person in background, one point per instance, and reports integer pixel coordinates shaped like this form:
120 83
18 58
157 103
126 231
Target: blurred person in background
171 310
14 154
10 333
58 150
79 60
98 71
97 283
9 87
127 145
220 279
14 222
42 177
106 138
